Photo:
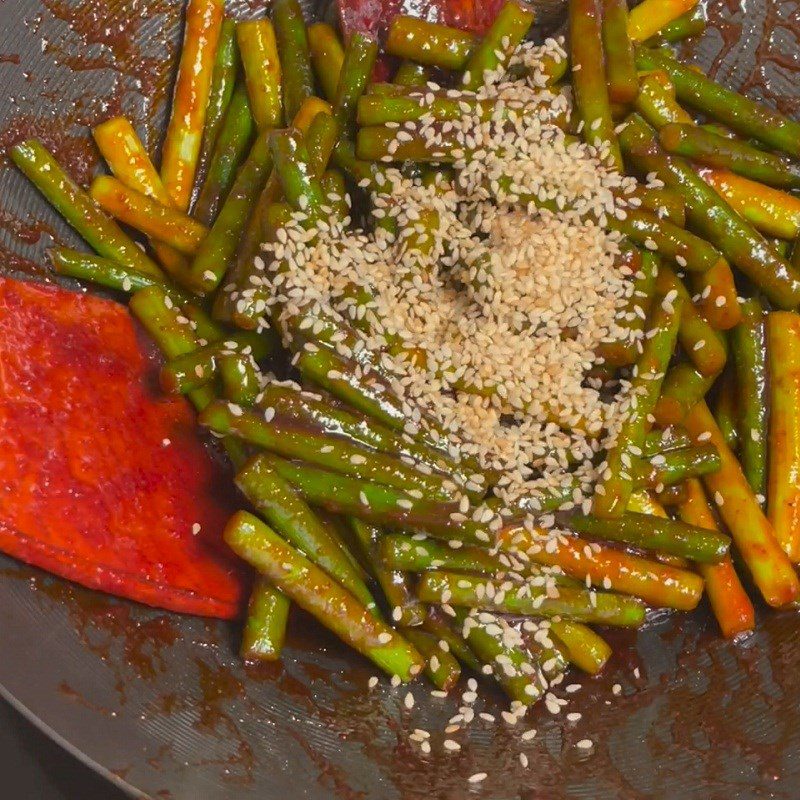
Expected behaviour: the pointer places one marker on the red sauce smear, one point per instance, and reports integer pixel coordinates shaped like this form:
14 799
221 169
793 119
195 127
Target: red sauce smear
374 16
102 478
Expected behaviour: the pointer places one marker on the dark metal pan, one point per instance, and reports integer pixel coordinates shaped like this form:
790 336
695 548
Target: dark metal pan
160 704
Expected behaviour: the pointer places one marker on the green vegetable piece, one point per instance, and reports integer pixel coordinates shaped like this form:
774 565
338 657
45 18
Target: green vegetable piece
448 633
612 495
704 346
199 367
601 608
683 387
383 505
664 440
327 55
240 378
318 594
108 273
316 411
419 555
233 143
288 514
223 78
707 147
749 346
405 608
726 409
163 223
754 536
676 244
77 208
690 23
585 649
738 112
514 667
262 71
713 218
265 627
411 74
216 253
359 59
676 465
440 667
293 50
291 161
499 43
621 77
588 78
656 534
429 43
285 437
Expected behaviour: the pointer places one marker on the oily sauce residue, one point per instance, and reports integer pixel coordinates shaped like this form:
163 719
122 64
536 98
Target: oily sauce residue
26 232
18 265
754 47
698 710
105 625
125 41
114 32
29 233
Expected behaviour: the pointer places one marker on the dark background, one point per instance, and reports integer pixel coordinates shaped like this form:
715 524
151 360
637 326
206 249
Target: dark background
38 769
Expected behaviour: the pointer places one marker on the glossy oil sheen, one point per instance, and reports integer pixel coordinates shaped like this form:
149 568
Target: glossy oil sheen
162 704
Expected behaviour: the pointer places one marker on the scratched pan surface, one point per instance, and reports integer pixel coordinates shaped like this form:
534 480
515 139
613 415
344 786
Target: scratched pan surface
159 703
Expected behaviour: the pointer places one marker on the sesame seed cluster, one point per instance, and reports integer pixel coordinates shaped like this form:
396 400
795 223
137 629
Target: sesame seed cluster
486 290
483 292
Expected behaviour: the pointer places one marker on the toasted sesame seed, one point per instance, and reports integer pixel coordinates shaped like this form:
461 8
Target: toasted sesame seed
507 303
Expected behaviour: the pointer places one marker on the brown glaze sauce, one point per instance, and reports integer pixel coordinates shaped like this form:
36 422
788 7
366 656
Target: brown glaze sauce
685 705
772 35
17 264
143 641
107 37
